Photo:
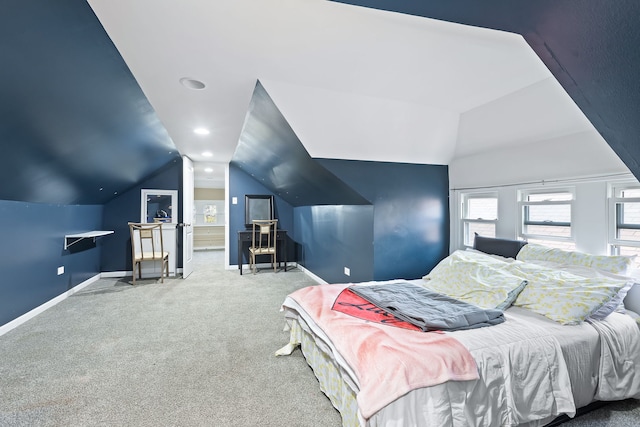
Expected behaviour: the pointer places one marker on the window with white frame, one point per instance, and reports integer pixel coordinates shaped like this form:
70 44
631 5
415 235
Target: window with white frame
545 217
479 215
624 223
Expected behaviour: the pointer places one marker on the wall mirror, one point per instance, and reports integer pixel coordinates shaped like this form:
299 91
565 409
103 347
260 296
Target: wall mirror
159 206
257 206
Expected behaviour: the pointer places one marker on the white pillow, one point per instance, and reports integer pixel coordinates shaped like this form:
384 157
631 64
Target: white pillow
476 278
563 296
618 264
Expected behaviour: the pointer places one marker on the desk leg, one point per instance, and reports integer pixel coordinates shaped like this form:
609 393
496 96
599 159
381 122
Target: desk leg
285 254
240 255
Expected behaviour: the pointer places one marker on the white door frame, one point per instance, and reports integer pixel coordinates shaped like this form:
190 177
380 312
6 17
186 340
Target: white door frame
188 216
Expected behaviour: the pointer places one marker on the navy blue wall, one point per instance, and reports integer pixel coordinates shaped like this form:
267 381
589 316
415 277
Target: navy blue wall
411 213
241 184
333 237
125 208
404 233
32 248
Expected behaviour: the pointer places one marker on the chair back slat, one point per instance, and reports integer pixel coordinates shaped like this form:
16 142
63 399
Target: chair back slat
145 236
263 240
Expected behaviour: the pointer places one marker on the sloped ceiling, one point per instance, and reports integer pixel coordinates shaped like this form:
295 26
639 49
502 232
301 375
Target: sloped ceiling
272 154
590 47
75 127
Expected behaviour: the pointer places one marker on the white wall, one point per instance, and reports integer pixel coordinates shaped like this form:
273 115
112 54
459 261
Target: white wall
589 222
576 155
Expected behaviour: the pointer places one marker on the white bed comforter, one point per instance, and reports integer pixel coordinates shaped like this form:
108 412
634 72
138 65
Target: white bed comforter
523 379
522 385
619 374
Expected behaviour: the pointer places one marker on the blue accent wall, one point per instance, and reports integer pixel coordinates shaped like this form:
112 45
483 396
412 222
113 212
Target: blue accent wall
410 217
403 233
125 208
333 237
32 248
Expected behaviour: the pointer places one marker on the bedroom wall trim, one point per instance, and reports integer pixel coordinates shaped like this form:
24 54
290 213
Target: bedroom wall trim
587 178
41 308
313 277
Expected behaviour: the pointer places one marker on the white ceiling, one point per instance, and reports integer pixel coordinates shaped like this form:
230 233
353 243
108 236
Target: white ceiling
353 83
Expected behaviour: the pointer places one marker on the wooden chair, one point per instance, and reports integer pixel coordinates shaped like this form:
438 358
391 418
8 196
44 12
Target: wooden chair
263 241
147 245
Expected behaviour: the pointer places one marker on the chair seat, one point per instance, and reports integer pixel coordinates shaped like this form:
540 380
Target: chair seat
260 251
148 256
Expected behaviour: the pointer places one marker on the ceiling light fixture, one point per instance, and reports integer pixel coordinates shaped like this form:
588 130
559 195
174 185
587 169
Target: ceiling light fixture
207 154
190 83
208 170
201 131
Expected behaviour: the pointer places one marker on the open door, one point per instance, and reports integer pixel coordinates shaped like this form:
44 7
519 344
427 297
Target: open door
188 216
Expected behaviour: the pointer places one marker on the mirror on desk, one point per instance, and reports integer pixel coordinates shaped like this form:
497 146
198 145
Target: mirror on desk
257 206
159 206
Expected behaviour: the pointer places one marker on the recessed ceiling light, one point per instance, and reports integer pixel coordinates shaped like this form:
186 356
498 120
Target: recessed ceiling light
190 83
207 153
208 170
201 131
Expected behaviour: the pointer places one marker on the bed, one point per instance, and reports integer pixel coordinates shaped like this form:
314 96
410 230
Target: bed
549 356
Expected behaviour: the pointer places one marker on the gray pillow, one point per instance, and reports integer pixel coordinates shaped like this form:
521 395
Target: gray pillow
502 247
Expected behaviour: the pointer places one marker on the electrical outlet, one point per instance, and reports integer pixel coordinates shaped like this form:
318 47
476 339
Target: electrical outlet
60 270
347 271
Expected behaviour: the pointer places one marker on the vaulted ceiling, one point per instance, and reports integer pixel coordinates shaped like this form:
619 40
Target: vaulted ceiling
92 101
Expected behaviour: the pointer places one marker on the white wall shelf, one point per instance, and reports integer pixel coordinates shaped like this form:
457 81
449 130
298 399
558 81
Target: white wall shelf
70 239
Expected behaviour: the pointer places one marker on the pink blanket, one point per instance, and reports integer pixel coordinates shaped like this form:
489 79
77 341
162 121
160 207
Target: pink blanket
388 362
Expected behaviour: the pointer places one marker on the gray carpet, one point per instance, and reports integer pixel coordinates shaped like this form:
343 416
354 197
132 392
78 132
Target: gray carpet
182 353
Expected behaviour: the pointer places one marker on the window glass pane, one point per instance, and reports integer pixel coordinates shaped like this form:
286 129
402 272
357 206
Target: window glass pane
628 234
482 208
547 230
483 229
554 197
553 213
630 213
569 246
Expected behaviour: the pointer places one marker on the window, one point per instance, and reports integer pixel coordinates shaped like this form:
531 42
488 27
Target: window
479 215
624 237
546 218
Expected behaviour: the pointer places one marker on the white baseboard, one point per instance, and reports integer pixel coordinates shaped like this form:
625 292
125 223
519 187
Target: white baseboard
245 267
113 274
33 313
117 274
315 278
